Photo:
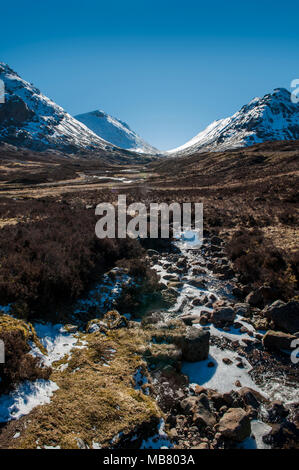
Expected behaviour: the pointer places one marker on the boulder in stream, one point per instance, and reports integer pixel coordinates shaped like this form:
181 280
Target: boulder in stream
195 344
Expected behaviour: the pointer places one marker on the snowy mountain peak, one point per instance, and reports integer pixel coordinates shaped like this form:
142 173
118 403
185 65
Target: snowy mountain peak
115 131
30 119
272 117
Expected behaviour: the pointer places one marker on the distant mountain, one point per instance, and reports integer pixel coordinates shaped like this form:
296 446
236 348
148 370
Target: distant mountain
115 131
271 118
31 120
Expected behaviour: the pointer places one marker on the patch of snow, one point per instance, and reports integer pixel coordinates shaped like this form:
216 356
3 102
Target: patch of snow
221 377
24 398
140 379
105 294
96 445
159 440
57 341
52 447
258 430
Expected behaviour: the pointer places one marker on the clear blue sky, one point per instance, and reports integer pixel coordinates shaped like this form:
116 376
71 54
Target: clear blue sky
168 68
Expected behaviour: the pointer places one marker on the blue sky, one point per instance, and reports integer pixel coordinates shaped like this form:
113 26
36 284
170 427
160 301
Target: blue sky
167 68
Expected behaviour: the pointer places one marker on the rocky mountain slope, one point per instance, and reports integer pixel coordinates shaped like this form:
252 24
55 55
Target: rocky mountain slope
271 118
115 131
29 119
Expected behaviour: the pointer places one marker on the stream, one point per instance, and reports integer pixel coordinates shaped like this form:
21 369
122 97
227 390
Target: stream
193 297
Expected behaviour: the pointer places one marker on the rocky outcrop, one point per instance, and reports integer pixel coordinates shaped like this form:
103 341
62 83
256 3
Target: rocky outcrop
285 316
235 425
222 314
275 340
260 296
195 344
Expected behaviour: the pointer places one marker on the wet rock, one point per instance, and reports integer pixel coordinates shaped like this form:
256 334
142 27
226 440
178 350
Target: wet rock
199 283
171 277
189 318
222 314
251 397
242 309
238 383
169 296
260 296
218 400
204 320
235 425
277 412
203 417
285 435
175 284
276 340
199 301
195 344
198 270
284 315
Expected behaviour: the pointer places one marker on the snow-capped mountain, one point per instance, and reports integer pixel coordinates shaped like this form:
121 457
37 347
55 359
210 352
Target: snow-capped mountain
30 119
115 131
273 117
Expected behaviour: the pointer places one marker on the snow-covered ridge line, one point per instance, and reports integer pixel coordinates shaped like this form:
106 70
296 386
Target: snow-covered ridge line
271 118
29 119
115 131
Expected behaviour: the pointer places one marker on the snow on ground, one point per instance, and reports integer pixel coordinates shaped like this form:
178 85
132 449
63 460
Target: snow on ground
106 293
258 430
27 396
57 341
233 333
221 377
159 440
140 379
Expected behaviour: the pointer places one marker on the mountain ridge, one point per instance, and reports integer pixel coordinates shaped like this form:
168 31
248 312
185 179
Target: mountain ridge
30 119
115 131
271 118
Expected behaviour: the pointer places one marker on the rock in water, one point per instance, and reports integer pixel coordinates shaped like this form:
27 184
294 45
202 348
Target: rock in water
195 344
235 425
